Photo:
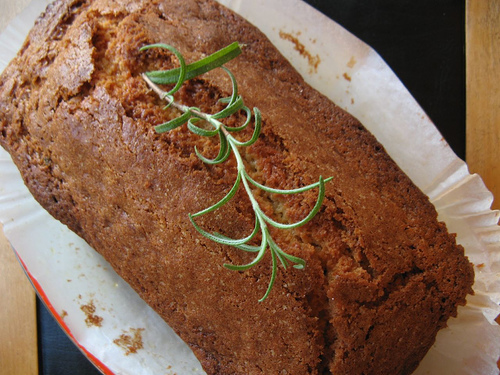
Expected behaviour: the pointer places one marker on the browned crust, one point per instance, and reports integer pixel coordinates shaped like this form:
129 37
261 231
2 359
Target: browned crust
382 274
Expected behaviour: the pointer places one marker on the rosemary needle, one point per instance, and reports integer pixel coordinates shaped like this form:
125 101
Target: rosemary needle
228 145
219 58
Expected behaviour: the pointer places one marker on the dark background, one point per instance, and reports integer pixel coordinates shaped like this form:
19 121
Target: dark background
421 40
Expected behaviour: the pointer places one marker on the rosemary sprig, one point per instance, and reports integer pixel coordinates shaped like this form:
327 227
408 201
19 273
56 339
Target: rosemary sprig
234 104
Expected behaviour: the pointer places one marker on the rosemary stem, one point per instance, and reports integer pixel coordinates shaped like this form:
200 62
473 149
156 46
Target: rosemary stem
241 170
155 88
239 160
164 96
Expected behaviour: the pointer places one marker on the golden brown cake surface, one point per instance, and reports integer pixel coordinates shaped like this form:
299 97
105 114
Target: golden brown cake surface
382 274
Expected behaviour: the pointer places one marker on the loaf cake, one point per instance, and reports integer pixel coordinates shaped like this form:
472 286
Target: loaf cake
382 274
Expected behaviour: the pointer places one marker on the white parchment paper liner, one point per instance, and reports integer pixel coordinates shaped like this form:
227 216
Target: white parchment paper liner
69 275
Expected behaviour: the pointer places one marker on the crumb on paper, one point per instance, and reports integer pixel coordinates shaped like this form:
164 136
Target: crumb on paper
347 77
130 341
480 265
64 314
92 319
352 100
313 61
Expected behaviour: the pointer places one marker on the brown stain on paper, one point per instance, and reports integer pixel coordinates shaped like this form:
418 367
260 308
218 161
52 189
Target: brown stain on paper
313 61
351 62
130 341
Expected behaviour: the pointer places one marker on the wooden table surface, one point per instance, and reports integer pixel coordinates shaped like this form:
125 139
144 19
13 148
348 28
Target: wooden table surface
18 324
483 92
18 330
